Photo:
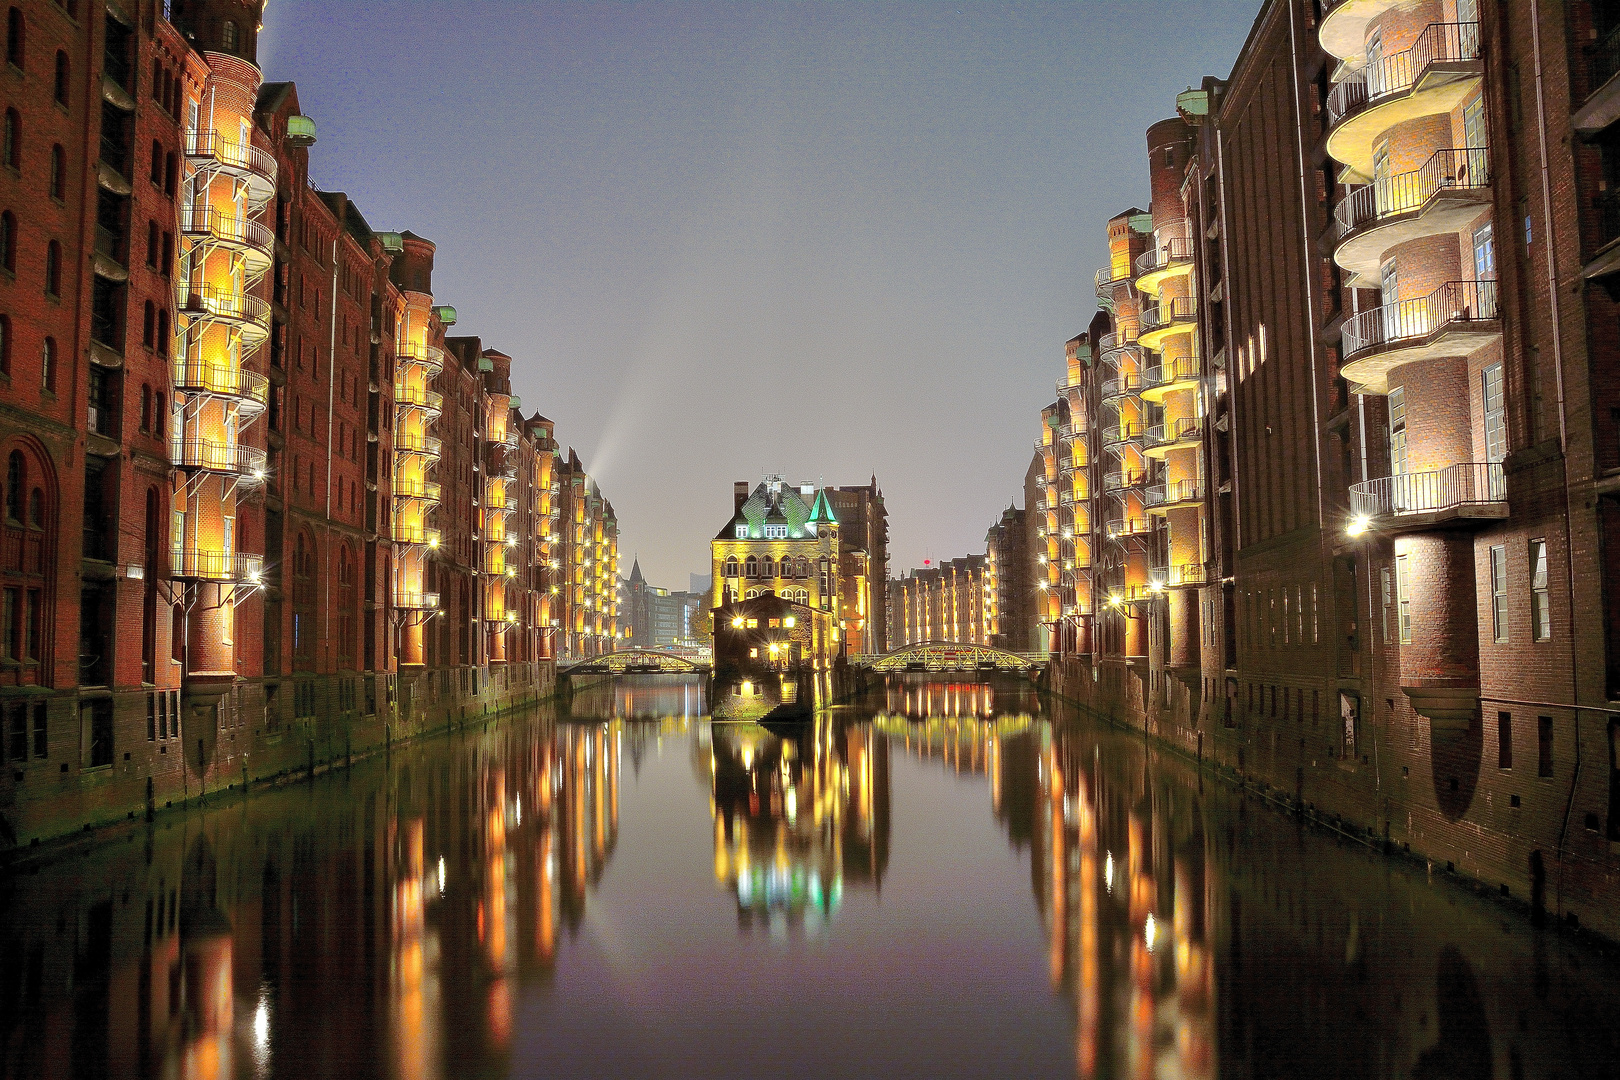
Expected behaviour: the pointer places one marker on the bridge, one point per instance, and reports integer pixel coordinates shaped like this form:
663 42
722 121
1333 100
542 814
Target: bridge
949 656
635 662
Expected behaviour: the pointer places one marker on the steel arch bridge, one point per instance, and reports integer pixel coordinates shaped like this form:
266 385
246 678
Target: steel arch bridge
635 662
948 656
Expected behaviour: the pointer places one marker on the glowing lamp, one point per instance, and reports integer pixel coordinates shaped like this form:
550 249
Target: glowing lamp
736 624
1358 525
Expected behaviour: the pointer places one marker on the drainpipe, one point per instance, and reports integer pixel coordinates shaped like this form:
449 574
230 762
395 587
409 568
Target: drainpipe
331 395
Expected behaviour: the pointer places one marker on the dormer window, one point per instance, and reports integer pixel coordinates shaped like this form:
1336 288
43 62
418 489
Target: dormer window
776 532
742 532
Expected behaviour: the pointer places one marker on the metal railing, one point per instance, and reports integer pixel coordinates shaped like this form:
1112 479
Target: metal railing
1421 317
216 566
426 490
201 377
1178 309
1182 369
1116 341
1603 59
412 443
213 302
1167 434
1179 575
1463 484
244 157
1465 168
1118 527
227 228
1041 446
416 534
416 601
1122 385
1179 491
1399 72
248 462
1178 249
1106 281
417 397
1118 434
1124 479
427 356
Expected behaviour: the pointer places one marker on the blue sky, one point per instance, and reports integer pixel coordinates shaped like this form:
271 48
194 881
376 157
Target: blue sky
722 239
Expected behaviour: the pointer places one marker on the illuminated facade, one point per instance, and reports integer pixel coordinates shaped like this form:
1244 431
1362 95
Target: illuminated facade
587 579
955 601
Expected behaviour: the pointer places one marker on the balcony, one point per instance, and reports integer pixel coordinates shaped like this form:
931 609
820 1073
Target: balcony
416 601
1162 498
1121 527
1454 320
416 534
1164 379
248 464
249 389
1106 282
1431 78
1042 446
1171 259
1179 576
1111 345
253 241
1167 319
1125 433
1344 27
1447 193
240 310
1407 502
1183 433
222 566
1125 384
418 397
427 357
254 167
1602 105
1124 480
424 490
413 443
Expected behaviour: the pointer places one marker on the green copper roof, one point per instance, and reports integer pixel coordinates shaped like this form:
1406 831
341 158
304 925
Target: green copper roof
823 511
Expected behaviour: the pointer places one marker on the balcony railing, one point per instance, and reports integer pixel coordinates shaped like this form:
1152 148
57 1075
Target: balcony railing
231 305
416 601
1464 484
239 156
1106 282
201 377
427 356
248 462
1178 249
1459 169
1131 526
1178 309
412 443
1182 369
216 566
1041 446
1115 342
1179 575
1395 74
417 397
1118 434
227 229
1122 385
1420 318
1180 491
1124 479
426 490
416 534
1604 59
1183 428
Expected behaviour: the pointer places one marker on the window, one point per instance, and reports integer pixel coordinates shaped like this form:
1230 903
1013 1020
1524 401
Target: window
1504 740
1540 595
751 567
1499 611
48 365
149 325
11 148
53 269
1474 136
5 344
1484 254
776 532
1397 431
1495 413
146 408
62 73
152 244
163 333
731 567
15 35
58 179
1544 746
227 35
8 241
1403 599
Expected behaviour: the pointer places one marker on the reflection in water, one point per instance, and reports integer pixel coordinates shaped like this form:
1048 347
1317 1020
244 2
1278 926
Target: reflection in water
538 898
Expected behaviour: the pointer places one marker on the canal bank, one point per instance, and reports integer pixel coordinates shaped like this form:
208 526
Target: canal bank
1432 799
258 732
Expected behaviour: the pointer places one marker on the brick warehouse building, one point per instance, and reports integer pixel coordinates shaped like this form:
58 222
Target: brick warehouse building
261 513
1390 594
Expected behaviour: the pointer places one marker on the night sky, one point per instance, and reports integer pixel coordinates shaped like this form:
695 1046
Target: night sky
825 240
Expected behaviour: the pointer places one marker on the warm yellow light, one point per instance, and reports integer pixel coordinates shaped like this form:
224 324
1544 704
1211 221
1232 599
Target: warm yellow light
775 648
736 624
1358 525
1157 586
789 622
433 541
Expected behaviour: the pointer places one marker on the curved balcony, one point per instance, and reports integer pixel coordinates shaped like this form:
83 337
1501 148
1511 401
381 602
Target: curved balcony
1042 446
249 239
1419 500
239 310
416 601
1183 433
424 445
416 534
1179 576
1171 259
1125 433
1167 319
1109 346
222 566
420 490
417 397
248 464
1454 320
1432 77
1121 527
1065 387
1446 194
1125 384
1162 498
1344 27
427 357
1107 282
1161 380
255 167
249 389
1124 480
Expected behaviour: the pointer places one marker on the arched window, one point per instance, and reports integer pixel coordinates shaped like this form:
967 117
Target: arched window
731 563
803 568
5 344
53 269
27 572
11 144
58 172
751 567
8 241
15 35
149 325
62 73
47 377
16 484
227 35
767 568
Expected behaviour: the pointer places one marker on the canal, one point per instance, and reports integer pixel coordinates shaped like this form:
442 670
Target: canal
947 879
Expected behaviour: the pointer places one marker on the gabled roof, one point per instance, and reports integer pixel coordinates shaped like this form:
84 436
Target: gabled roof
823 510
784 506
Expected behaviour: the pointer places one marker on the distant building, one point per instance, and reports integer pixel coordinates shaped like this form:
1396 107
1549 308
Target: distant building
1009 566
955 601
863 536
656 617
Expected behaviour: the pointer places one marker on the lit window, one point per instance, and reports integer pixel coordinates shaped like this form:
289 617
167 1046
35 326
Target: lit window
742 532
1540 595
1499 613
1403 598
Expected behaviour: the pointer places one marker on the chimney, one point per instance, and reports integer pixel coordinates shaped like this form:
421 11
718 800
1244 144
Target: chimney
740 494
